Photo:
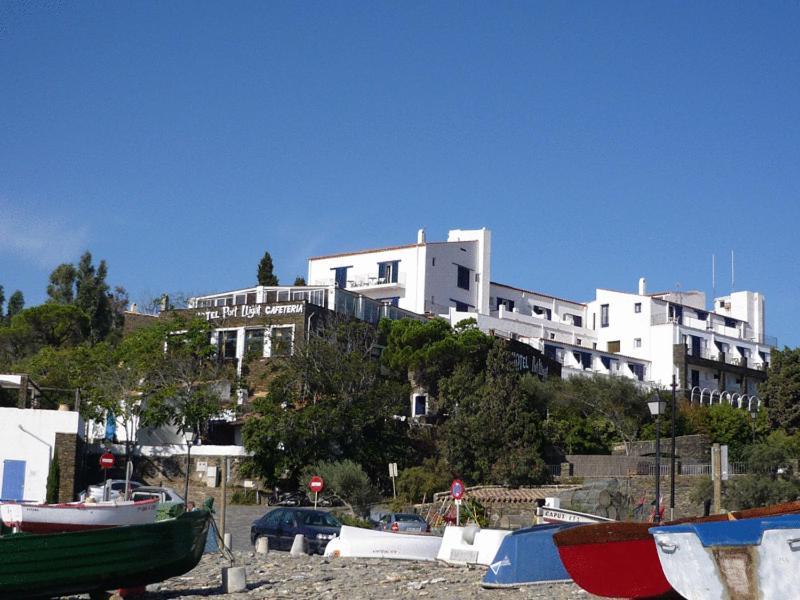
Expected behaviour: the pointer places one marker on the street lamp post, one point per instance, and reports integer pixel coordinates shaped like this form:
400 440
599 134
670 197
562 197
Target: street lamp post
656 406
189 436
672 456
753 417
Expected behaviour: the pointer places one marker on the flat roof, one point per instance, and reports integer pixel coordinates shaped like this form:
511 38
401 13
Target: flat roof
387 249
519 289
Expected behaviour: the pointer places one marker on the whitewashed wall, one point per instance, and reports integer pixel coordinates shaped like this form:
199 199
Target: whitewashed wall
30 435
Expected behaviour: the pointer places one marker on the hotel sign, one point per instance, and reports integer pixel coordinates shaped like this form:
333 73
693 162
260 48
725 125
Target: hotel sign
250 311
530 360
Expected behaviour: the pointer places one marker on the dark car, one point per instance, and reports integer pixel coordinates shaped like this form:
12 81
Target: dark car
407 522
282 524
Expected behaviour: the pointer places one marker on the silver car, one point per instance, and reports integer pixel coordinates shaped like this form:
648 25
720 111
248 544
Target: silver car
403 522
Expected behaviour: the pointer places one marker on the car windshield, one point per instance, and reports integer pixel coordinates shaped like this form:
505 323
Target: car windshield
320 519
402 517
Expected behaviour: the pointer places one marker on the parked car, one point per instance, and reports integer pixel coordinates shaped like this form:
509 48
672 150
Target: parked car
110 490
281 525
403 522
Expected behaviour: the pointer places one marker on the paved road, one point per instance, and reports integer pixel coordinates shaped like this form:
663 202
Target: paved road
237 522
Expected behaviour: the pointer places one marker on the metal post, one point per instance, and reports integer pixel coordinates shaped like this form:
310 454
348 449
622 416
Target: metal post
672 457
224 495
716 474
657 515
186 484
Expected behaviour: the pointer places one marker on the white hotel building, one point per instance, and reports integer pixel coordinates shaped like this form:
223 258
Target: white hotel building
717 354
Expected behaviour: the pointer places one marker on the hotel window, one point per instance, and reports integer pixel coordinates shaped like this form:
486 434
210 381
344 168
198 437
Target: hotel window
433 261
281 339
613 346
227 344
391 301
637 308
254 342
461 306
637 342
420 405
251 297
507 304
540 310
637 370
578 341
340 276
462 277
604 315
387 271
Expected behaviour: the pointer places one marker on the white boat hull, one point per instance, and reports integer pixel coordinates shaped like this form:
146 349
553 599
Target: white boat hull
470 545
721 572
53 518
366 543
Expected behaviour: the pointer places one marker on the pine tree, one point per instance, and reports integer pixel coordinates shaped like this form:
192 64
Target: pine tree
2 301
265 274
53 480
92 296
299 281
61 288
15 304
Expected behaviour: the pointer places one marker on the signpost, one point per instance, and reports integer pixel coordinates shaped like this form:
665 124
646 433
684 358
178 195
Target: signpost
316 485
106 462
393 474
457 492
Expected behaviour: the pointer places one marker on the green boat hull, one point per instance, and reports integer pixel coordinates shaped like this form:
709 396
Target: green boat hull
33 566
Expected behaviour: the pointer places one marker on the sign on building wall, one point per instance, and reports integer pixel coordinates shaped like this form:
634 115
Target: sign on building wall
250 311
530 360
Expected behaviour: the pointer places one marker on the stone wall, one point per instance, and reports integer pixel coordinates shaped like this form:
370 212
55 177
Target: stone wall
69 448
689 449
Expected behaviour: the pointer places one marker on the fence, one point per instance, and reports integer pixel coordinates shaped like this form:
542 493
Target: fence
644 468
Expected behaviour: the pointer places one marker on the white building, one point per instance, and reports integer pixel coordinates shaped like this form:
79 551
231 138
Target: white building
27 444
426 277
720 351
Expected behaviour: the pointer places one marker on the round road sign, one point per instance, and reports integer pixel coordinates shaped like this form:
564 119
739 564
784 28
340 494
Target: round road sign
457 489
106 460
316 484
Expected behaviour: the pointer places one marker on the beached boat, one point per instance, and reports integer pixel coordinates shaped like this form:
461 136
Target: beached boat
528 557
368 543
619 559
757 559
470 545
54 518
34 565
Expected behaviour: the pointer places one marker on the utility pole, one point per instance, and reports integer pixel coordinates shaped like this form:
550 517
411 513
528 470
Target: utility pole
716 475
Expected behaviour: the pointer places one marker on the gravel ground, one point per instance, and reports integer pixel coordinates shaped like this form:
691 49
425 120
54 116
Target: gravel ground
278 575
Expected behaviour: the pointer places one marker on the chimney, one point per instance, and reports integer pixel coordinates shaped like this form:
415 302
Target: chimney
421 236
642 286
134 308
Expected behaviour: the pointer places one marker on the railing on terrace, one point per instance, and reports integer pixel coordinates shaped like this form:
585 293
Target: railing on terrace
647 468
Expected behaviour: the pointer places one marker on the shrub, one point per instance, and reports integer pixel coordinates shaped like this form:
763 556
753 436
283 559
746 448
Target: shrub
346 519
344 479
416 484
53 477
243 496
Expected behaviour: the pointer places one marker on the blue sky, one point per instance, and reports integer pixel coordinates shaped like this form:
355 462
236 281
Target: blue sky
599 141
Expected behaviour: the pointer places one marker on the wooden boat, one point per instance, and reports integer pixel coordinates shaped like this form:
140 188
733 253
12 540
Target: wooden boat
619 559
470 545
76 516
35 565
367 543
757 559
528 557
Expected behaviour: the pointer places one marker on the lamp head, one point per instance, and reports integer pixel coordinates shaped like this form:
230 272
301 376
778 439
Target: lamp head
656 405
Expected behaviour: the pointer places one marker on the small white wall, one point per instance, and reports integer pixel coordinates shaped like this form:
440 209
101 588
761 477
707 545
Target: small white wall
30 435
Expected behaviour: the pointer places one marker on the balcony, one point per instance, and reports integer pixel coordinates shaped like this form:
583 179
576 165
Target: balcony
373 282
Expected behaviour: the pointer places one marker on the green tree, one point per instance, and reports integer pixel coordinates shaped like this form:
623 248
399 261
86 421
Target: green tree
61 288
180 386
15 304
431 350
265 275
344 479
612 407
93 297
419 484
723 424
329 401
53 480
494 430
299 281
2 301
781 390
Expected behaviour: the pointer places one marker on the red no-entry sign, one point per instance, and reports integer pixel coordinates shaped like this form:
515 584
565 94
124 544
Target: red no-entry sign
106 460
316 484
